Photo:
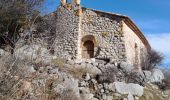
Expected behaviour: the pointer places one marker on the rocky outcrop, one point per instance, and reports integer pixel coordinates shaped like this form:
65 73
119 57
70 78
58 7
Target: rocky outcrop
35 74
130 89
157 75
3 53
109 91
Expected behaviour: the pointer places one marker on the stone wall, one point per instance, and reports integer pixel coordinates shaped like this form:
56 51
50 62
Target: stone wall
113 39
67 29
135 49
107 30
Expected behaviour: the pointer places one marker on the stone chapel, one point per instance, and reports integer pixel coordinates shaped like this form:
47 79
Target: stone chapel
84 33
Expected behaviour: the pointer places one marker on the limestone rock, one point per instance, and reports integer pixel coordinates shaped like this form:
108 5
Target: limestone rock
36 52
126 67
130 97
147 75
131 88
157 75
83 84
94 81
2 52
85 93
88 96
94 99
71 62
111 87
69 83
109 98
53 71
87 77
30 69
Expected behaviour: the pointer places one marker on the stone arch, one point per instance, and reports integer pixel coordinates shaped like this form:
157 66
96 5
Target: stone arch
88 44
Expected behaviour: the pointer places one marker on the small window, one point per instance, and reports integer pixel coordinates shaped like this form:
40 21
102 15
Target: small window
136 45
136 64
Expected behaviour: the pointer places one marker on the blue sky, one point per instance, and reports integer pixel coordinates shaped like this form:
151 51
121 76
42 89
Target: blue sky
151 16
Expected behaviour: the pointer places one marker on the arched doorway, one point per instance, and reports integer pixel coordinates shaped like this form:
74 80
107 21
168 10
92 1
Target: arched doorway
88 49
87 46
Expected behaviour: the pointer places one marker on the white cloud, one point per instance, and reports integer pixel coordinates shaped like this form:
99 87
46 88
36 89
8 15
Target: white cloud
161 43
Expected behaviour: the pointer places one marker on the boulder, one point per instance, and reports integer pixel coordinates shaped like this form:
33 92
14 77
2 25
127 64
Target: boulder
111 87
37 53
92 70
94 98
85 93
53 71
130 97
126 67
147 75
87 77
30 69
130 88
69 83
26 52
157 75
82 84
109 98
2 52
88 96
71 62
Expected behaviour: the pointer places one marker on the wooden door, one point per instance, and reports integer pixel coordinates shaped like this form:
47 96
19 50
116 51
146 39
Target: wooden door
88 49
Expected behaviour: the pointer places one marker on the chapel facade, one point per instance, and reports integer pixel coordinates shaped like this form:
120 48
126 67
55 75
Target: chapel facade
84 33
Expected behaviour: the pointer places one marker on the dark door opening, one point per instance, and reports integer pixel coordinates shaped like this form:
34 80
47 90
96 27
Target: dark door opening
88 49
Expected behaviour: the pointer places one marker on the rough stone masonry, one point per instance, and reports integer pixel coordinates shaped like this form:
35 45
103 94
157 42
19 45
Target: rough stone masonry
84 33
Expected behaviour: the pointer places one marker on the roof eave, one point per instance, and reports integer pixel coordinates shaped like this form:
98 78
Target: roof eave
132 25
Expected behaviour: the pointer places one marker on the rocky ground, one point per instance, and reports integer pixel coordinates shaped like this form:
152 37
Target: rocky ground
32 73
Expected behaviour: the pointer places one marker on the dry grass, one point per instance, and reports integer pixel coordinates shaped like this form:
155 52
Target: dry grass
77 72
67 94
59 62
165 85
108 76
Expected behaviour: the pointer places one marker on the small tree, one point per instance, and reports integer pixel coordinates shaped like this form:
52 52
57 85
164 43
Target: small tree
14 15
108 75
153 59
165 85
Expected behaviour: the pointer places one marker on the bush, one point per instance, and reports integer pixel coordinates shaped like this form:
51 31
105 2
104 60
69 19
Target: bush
165 85
108 75
153 59
15 17
135 77
112 74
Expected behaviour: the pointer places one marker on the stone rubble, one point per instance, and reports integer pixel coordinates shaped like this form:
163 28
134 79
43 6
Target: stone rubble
107 76
88 87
